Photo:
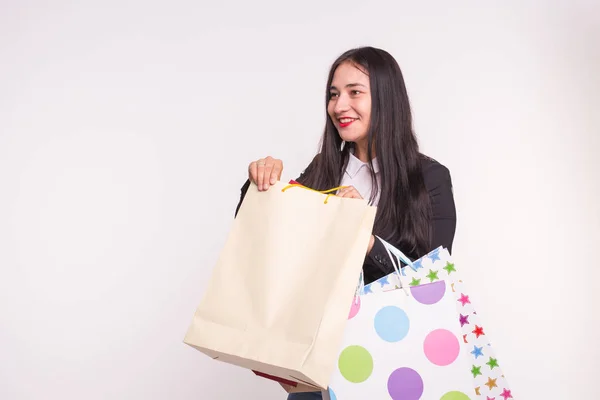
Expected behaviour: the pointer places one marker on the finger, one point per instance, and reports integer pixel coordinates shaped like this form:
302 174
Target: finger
267 176
275 173
260 174
252 172
355 194
343 192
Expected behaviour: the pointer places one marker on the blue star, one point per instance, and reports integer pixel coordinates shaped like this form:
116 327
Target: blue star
435 254
383 281
417 264
477 351
367 289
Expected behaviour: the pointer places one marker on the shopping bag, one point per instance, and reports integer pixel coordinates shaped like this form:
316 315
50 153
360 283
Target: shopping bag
421 338
278 297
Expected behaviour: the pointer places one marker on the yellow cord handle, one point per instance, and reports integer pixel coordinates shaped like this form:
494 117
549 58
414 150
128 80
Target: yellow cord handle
327 192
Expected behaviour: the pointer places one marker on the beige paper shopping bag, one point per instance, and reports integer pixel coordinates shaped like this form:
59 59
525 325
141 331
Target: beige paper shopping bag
279 296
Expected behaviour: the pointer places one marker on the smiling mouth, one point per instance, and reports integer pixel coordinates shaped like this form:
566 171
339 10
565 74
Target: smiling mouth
344 122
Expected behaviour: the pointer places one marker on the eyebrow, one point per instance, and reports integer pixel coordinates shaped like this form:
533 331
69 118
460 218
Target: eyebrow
350 85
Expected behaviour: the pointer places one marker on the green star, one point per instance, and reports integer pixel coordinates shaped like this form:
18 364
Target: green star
415 282
432 275
450 268
476 371
492 363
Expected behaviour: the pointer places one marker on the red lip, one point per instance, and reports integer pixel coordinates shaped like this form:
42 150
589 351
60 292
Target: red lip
346 124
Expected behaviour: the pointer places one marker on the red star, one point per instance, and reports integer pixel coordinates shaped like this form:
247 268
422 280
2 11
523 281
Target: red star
464 299
506 394
490 398
478 332
465 338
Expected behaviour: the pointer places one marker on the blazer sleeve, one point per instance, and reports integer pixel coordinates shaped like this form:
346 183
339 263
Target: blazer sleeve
243 192
439 186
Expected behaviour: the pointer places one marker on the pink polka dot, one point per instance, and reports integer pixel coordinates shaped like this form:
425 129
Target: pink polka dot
355 307
441 347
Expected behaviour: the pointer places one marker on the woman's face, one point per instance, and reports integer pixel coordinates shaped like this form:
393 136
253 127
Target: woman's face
350 103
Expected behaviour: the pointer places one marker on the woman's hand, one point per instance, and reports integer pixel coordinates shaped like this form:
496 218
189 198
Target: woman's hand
349 192
265 172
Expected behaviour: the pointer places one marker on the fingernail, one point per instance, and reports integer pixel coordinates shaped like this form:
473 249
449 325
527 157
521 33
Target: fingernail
272 181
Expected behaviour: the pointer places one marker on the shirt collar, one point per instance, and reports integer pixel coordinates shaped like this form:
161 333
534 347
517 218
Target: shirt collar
355 165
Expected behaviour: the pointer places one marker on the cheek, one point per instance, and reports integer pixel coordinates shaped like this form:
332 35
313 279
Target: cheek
330 108
365 110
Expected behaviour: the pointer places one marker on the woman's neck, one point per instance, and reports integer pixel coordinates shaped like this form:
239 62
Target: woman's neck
360 152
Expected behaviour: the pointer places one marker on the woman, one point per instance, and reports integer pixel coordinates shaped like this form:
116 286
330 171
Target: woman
369 145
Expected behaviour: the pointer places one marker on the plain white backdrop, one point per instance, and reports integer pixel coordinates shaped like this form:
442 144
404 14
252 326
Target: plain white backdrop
126 128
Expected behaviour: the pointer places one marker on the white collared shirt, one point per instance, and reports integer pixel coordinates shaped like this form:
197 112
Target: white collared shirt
358 174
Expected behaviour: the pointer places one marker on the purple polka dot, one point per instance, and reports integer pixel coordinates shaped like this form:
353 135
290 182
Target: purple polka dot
405 384
429 293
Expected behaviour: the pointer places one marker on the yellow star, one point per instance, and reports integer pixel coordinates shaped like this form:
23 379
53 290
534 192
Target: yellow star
491 383
477 390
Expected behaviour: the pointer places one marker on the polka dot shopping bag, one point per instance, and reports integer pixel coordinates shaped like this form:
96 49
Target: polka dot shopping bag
414 335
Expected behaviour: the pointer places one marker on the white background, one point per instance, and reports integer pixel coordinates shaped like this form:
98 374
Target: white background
125 132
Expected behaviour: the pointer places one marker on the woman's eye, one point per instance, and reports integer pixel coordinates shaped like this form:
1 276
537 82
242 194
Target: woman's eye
332 95
355 92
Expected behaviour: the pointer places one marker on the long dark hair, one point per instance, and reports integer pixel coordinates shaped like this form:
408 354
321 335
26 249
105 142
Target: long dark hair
404 211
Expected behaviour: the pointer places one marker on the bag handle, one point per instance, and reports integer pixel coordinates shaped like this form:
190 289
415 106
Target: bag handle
395 257
400 256
327 192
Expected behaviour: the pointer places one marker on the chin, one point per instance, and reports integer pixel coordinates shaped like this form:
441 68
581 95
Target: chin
351 137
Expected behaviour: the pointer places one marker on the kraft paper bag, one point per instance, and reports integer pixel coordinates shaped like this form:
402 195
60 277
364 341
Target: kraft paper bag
415 335
277 301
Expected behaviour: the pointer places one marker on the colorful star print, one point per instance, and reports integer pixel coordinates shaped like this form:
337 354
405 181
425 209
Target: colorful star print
477 352
433 275
491 383
492 363
464 299
478 331
449 268
415 282
435 255
367 289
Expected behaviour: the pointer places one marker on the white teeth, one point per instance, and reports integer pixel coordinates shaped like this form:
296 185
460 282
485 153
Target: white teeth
346 120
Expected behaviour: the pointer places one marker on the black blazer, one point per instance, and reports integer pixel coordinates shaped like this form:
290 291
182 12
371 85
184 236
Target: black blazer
439 185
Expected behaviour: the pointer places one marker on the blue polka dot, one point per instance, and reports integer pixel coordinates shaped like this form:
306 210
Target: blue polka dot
332 395
391 324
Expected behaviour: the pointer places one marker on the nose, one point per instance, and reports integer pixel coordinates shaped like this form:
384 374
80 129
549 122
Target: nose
342 104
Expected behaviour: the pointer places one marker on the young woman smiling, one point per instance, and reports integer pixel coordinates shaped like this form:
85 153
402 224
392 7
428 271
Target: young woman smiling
369 146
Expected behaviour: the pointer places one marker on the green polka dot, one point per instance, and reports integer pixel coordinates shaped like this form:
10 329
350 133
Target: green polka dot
455 396
356 364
